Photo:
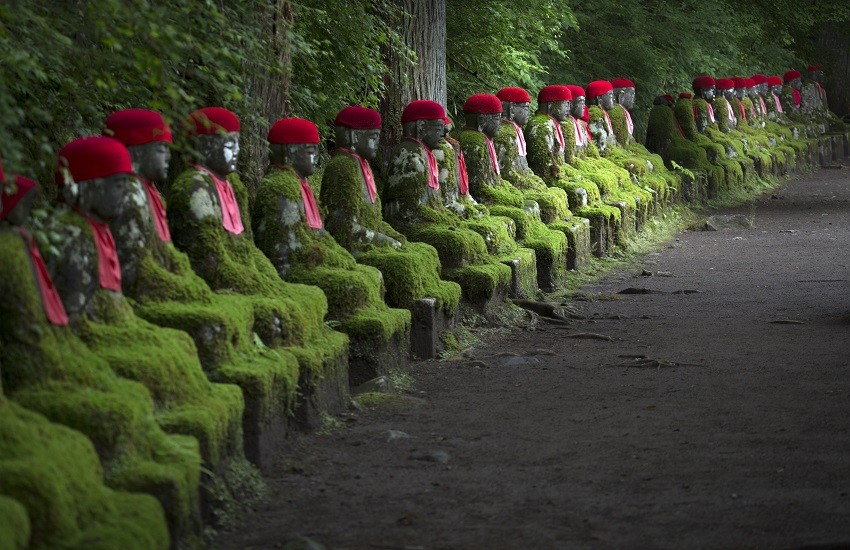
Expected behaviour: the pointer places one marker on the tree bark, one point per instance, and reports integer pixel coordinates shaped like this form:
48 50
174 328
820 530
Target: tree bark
424 29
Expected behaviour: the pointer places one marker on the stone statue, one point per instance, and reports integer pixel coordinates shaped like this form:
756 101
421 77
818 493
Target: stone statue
483 117
352 214
726 118
600 94
288 229
790 94
166 291
624 102
209 219
704 92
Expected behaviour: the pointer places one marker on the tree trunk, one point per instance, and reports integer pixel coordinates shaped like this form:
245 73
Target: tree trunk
833 44
424 31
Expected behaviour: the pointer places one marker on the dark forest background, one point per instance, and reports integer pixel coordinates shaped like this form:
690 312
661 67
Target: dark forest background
65 65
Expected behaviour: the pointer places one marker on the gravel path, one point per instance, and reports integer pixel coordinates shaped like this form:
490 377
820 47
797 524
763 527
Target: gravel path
715 418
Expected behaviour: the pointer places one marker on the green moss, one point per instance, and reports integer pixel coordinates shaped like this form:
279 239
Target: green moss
620 125
479 283
49 370
54 474
304 255
14 524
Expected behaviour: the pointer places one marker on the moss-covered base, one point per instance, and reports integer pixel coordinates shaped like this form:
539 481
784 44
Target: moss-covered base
577 230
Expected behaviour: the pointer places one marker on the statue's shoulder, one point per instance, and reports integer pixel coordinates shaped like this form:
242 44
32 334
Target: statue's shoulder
506 134
341 166
470 139
279 182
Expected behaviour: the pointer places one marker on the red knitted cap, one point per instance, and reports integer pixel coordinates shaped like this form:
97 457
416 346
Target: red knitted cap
554 92
686 95
212 120
598 88
703 82
483 104
8 202
669 98
576 90
514 95
358 117
724 83
622 83
137 127
293 130
791 75
93 157
815 67
759 78
750 82
422 109
774 81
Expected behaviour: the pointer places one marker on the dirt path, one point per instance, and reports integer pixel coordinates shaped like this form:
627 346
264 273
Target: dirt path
737 435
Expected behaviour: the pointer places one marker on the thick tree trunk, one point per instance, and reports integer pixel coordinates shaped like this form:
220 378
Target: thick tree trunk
834 46
424 31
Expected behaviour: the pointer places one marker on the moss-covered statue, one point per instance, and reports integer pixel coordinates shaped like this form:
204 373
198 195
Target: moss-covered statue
790 94
51 482
469 247
483 117
210 221
454 178
351 212
97 183
813 103
165 291
288 229
512 151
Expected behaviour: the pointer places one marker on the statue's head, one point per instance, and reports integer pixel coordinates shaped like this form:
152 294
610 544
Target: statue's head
704 87
555 100
96 175
578 102
760 82
16 198
294 142
424 120
740 87
215 139
624 92
752 89
794 79
774 84
516 104
726 87
449 125
816 73
666 100
147 138
483 112
358 129
600 92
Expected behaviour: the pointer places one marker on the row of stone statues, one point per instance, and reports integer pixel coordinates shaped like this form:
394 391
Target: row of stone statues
167 330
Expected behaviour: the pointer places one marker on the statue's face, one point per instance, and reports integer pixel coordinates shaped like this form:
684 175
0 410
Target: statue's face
606 100
303 157
365 142
817 76
752 92
740 92
19 214
709 93
107 198
625 97
796 83
151 160
728 93
489 123
577 108
776 89
518 112
559 110
431 132
219 152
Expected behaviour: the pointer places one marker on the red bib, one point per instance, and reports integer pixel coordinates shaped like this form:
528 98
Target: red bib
157 210
366 170
311 209
433 170
520 139
49 297
231 218
108 266
494 160
461 165
629 124
559 133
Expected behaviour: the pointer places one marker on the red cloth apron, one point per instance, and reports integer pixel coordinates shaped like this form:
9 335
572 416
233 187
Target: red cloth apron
778 103
494 160
231 218
49 297
461 164
157 210
366 170
629 123
559 134
520 139
108 266
433 170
